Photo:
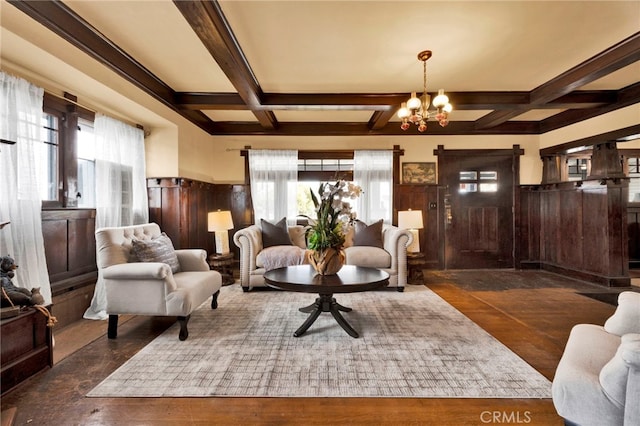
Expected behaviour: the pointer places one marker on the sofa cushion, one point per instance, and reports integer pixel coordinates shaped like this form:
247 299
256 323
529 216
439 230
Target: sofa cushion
158 249
280 256
626 318
349 233
297 236
372 257
275 234
368 235
614 375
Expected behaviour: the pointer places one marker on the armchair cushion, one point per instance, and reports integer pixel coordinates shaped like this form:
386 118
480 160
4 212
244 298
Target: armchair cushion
368 235
275 234
158 249
626 318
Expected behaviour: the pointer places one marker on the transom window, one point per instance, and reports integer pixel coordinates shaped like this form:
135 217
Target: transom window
478 181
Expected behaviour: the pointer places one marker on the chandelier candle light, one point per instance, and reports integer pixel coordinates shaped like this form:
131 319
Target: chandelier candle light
416 109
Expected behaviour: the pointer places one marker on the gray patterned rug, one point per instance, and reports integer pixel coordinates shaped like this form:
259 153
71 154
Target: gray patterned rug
412 344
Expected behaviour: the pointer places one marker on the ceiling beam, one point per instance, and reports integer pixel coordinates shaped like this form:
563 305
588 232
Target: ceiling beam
63 21
612 59
390 101
630 95
209 23
355 129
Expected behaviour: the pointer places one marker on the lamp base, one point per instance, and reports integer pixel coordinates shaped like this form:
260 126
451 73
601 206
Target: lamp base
414 247
222 242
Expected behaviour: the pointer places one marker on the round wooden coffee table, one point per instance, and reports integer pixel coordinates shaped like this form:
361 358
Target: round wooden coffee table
304 279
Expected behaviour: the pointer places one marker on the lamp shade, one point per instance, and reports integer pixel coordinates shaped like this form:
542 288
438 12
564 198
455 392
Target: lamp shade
410 219
220 221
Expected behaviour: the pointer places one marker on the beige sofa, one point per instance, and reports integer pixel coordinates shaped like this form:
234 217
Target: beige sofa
152 286
597 381
392 258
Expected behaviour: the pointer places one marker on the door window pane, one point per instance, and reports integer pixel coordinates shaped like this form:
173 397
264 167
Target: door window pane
468 175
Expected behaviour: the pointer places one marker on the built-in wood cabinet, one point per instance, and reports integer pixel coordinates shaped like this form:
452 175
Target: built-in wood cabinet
70 247
26 347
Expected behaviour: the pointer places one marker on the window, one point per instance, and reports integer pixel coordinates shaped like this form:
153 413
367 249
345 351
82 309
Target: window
478 181
634 179
577 168
86 164
67 178
47 157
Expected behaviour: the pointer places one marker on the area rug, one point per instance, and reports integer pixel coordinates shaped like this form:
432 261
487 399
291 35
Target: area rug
412 344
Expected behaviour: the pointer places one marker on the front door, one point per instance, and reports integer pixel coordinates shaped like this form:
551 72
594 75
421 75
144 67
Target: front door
479 195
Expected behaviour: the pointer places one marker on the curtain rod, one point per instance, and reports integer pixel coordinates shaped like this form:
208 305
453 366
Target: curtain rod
72 99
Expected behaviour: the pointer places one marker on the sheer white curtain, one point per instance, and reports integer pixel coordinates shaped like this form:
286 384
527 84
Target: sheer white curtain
373 171
274 184
121 189
21 122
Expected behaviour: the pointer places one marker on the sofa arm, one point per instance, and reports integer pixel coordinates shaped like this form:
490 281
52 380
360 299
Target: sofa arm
249 240
192 259
395 241
140 271
137 271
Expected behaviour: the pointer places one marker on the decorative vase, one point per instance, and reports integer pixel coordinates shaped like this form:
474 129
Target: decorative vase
327 261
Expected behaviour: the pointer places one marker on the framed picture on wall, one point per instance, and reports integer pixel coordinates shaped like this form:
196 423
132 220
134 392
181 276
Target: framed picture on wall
419 173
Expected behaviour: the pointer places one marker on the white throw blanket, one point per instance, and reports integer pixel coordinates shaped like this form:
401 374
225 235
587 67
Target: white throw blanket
280 256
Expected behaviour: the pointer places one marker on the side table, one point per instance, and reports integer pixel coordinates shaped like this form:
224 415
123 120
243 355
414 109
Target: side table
223 263
415 264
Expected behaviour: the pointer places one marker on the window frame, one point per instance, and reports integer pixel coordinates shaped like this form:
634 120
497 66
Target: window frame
67 112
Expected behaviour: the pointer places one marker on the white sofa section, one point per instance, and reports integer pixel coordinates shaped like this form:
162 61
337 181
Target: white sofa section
597 381
392 258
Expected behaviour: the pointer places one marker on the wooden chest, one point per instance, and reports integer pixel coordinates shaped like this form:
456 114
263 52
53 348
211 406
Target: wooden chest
27 348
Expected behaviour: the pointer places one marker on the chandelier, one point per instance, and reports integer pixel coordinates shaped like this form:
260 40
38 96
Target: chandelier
416 109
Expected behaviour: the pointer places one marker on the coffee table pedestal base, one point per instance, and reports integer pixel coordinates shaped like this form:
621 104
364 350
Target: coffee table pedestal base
325 303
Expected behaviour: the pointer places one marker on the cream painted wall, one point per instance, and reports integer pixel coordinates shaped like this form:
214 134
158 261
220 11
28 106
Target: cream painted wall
614 120
229 165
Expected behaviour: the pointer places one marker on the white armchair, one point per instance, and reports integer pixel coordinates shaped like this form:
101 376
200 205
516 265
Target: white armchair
151 287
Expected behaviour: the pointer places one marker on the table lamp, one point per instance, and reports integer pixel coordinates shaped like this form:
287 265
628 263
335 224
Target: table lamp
412 221
220 222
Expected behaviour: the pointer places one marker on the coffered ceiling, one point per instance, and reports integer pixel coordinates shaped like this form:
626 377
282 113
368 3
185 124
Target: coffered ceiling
343 67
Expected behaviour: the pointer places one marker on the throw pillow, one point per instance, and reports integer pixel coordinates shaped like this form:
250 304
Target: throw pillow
159 249
626 318
275 234
368 235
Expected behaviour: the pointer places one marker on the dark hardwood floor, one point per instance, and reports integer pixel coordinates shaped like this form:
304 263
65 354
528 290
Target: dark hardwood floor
531 312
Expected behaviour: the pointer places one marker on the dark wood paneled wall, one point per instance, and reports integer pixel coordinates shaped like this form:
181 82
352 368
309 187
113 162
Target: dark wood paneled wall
576 228
70 247
180 206
422 197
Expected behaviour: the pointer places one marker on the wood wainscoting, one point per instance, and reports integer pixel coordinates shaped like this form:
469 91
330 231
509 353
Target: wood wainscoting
577 229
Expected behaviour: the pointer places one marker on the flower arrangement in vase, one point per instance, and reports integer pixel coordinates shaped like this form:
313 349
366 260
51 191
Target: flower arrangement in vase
326 233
